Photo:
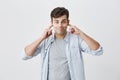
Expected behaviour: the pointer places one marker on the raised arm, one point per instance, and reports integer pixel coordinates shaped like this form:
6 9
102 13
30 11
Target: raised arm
93 44
31 48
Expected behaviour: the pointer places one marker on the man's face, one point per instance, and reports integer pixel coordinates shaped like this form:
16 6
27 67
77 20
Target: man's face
60 24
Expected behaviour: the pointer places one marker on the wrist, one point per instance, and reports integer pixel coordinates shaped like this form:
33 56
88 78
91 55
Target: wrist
41 38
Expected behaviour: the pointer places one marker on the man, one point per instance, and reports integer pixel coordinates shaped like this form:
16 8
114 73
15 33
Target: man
61 48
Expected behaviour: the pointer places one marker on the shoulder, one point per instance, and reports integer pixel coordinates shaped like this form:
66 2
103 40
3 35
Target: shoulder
74 36
48 40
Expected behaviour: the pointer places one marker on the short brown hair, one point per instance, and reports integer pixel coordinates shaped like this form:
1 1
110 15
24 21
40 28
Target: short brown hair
58 12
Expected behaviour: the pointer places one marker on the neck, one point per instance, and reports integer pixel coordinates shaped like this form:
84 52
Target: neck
60 36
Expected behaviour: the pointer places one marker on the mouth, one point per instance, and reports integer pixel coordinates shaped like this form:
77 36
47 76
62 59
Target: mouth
62 29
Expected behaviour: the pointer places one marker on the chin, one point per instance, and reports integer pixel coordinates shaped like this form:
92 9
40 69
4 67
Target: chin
61 33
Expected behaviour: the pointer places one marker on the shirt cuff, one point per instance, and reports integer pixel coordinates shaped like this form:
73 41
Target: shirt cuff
99 51
24 55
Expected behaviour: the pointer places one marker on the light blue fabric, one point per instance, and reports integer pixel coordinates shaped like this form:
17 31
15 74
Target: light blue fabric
74 48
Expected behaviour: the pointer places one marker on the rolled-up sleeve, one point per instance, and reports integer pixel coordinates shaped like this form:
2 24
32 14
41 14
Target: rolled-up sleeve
24 55
40 49
85 48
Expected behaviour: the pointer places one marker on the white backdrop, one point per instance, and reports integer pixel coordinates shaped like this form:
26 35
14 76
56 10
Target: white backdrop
23 21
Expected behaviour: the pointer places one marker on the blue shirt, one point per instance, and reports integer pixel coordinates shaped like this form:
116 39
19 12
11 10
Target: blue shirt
75 45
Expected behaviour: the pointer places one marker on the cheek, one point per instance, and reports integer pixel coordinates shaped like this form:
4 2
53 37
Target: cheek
65 25
55 25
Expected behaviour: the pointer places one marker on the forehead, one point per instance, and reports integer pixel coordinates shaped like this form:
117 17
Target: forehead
64 17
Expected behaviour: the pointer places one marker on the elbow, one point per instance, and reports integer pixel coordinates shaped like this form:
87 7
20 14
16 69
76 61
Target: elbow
96 47
98 51
28 51
24 55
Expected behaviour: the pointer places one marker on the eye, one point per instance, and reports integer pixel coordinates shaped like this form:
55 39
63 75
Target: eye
56 22
64 21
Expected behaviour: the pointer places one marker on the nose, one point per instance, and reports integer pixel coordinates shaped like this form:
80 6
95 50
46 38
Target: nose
60 24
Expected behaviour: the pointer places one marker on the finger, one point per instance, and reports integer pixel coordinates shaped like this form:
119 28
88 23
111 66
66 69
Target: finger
72 30
49 31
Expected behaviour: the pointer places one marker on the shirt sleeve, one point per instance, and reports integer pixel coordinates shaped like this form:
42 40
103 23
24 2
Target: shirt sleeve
85 48
40 49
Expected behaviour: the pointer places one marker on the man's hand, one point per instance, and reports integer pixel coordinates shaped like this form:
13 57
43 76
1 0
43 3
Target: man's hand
93 44
31 48
74 30
47 32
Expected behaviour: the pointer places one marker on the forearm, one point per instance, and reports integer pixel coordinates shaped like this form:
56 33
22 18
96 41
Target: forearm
93 44
30 49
